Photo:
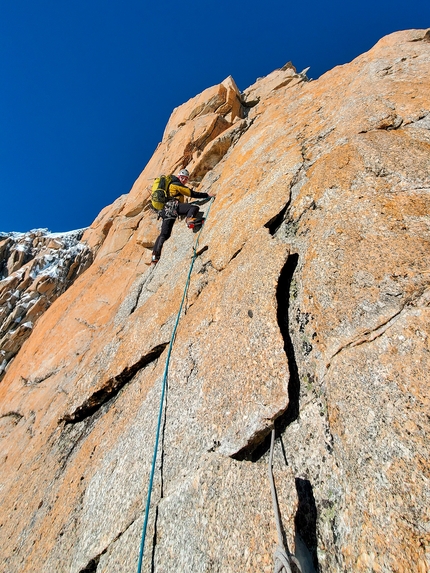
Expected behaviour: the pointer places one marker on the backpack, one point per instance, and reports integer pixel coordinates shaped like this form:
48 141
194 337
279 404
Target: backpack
160 191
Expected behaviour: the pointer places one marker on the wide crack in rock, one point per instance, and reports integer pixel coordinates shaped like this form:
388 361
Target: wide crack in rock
93 563
112 387
259 443
91 567
275 222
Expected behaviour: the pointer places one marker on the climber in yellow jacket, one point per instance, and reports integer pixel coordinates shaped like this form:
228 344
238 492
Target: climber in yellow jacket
176 207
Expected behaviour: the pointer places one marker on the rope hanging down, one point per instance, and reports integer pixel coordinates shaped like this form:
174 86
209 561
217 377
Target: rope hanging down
163 392
283 558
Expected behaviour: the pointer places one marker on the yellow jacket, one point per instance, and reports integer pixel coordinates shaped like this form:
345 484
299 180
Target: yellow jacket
178 191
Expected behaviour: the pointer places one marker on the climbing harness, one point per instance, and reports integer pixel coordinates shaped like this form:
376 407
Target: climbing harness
170 210
283 558
163 392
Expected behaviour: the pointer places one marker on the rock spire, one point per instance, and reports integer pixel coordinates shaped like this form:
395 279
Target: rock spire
308 311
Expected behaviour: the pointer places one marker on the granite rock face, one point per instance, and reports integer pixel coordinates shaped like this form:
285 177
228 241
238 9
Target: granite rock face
307 311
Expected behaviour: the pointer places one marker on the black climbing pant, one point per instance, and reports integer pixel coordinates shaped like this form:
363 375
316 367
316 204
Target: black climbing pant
187 209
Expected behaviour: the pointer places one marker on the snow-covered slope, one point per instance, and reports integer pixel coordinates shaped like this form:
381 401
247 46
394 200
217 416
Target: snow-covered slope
35 268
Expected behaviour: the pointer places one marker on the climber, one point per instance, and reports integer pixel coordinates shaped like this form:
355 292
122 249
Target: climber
176 207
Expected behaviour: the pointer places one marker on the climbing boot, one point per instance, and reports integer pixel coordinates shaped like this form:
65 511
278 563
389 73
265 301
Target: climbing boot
193 222
154 260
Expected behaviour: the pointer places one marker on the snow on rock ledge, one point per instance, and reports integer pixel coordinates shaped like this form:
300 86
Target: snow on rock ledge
35 268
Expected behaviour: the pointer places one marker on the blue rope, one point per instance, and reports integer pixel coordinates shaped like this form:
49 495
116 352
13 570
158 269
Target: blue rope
163 392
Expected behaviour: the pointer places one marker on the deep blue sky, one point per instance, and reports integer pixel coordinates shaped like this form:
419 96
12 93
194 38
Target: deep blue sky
87 87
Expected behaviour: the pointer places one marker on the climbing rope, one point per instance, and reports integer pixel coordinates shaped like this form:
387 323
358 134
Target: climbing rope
163 392
283 558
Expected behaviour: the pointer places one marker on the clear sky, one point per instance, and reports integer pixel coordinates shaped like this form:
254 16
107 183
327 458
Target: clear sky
87 86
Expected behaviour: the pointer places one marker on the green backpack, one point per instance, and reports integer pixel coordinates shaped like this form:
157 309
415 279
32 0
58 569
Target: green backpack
160 191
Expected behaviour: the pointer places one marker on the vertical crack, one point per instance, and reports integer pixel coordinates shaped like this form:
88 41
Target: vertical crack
157 509
283 297
275 222
261 443
305 522
140 288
